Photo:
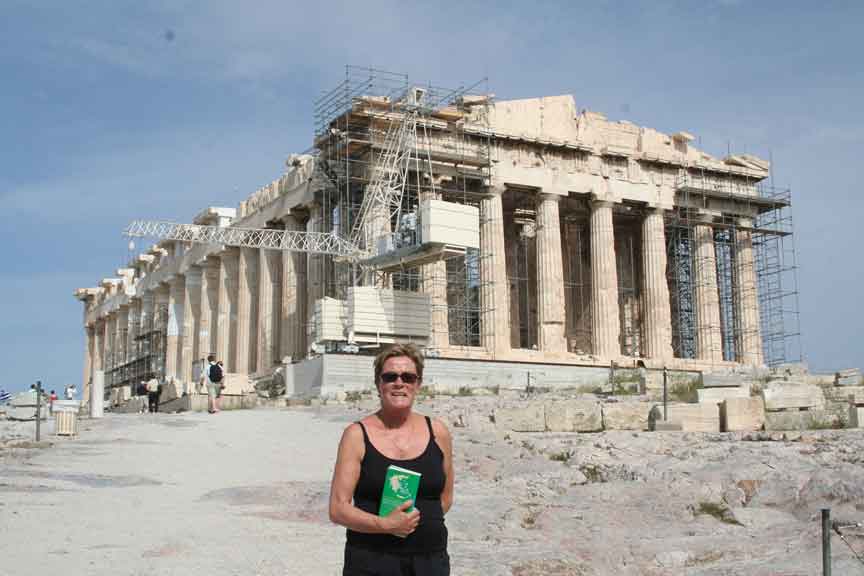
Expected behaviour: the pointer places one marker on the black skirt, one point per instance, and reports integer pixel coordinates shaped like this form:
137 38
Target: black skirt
363 562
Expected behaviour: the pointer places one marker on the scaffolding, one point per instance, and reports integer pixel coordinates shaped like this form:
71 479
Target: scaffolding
730 239
379 136
141 355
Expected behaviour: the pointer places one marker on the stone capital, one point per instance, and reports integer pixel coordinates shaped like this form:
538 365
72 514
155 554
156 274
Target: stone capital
230 253
548 197
193 275
600 202
296 215
706 217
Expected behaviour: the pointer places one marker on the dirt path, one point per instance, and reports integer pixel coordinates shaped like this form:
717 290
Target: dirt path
245 493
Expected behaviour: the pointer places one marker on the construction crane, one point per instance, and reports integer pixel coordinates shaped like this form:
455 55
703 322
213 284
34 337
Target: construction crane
311 242
381 205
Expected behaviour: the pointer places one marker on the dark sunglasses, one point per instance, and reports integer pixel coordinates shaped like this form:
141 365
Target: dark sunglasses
407 377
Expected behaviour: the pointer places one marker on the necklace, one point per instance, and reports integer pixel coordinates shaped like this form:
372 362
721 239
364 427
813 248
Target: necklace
401 441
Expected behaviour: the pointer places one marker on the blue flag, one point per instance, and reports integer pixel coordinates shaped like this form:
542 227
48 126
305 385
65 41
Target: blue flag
4 396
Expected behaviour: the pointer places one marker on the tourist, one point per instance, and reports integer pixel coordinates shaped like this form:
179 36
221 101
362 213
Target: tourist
215 378
402 542
69 392
152 387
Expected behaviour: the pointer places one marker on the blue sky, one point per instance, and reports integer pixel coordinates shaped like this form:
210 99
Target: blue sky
114 110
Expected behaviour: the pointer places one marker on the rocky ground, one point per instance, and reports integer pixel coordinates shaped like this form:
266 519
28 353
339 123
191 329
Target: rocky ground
245 493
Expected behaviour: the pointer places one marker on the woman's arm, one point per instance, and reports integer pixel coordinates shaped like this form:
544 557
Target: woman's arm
345 477
445 442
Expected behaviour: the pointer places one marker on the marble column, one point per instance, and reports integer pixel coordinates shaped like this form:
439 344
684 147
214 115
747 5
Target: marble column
292 332
98 346
551 316
161 300
146 318
121 334
134 330
749 341
173 340
494 305
89 359
207 306
606 326
191 319
268 317
226 317
512 241
657 312
433 281
108 359
709 339
314 275
247 284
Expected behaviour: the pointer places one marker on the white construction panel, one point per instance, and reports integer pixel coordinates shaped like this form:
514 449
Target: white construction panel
388 312
449 223
329 321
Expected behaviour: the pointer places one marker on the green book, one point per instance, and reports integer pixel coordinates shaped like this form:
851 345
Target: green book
400 485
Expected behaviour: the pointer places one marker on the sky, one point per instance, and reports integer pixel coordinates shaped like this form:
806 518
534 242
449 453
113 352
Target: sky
114 110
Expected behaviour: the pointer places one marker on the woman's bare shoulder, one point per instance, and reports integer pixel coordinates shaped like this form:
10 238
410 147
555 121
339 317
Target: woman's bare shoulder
353 432
440 428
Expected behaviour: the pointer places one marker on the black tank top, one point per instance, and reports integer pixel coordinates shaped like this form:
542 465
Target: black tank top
431 534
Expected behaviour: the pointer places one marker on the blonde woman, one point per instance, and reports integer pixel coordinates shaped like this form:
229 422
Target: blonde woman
403 542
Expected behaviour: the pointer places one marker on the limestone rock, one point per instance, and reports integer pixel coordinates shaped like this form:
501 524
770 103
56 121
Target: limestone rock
850 377
573 416
527 418
840 411
779 396
626 415
792 369
722 380
800 420
718 395
856 417
170 391
742 414
852 394
691 417
822 380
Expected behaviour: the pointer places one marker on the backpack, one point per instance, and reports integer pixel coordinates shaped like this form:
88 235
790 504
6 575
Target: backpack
215 373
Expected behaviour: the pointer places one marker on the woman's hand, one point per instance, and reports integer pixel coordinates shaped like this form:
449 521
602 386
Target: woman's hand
401 523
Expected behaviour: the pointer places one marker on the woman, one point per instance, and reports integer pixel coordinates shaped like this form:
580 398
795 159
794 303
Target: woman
404 542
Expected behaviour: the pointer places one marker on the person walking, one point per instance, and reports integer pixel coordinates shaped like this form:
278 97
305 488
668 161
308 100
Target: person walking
152 387
215 377
404 542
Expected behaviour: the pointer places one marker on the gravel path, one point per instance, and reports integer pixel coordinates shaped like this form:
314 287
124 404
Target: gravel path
245 493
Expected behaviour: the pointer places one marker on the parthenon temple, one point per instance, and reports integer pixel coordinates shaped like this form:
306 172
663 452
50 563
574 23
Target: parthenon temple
499 232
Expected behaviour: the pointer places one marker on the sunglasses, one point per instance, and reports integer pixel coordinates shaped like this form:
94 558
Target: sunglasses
407 377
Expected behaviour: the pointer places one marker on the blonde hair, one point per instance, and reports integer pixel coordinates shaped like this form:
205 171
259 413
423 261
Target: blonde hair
398 350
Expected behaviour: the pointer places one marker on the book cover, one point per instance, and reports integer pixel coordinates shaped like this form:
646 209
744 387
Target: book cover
400 484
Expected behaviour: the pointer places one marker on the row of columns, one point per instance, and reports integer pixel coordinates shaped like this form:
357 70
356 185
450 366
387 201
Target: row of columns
606 328
253 307
247 306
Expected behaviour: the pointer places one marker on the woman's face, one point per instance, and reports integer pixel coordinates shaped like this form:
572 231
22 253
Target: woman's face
398 395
